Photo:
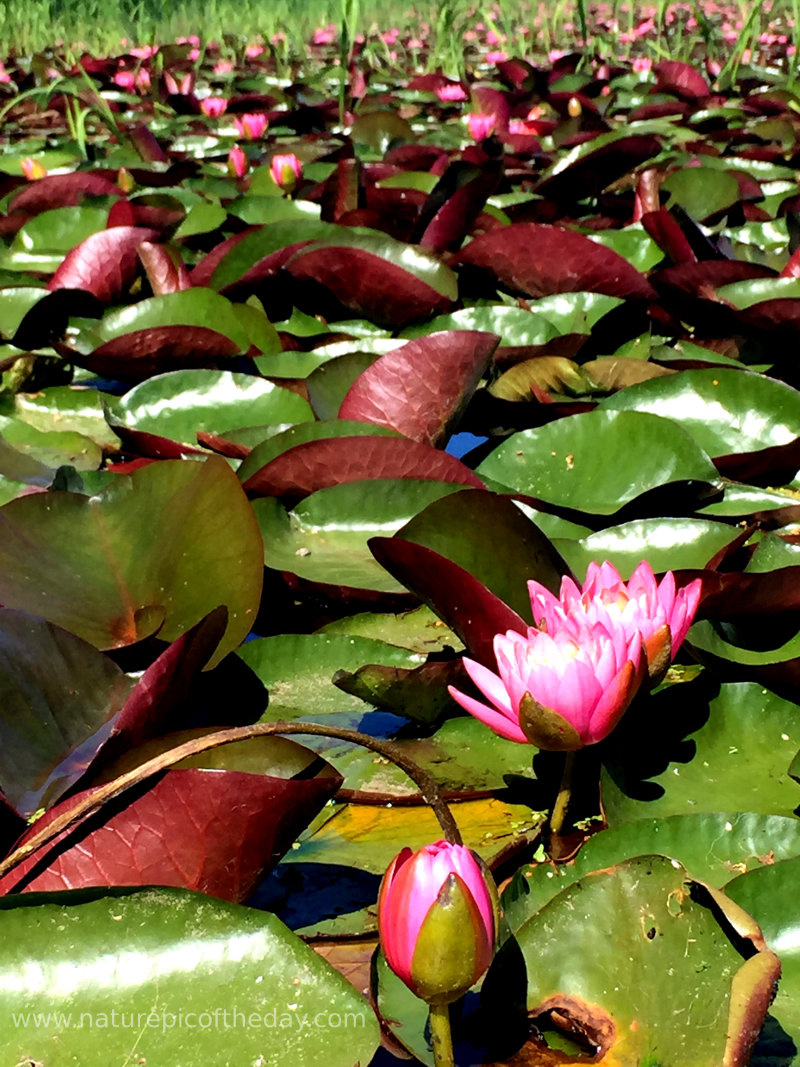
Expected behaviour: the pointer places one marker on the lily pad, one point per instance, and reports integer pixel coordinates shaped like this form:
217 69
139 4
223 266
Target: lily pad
598 461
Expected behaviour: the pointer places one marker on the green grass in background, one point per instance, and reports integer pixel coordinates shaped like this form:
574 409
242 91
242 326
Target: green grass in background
526 27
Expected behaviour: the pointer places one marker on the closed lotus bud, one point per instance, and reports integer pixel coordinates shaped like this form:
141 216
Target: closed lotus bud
286 170
237 162
437 916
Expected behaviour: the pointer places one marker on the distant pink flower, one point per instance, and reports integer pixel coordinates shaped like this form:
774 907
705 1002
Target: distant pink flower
451 93
213 106
278 38
253 51
142 79
223 67
480 125
414 44
5 77
492 38
126 80
286 170
642 64
251 126
520 127
324 35
237 162
390 36
146 51
194 54
32 169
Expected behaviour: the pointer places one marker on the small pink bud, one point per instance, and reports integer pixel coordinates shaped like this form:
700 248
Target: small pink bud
286 170
237 162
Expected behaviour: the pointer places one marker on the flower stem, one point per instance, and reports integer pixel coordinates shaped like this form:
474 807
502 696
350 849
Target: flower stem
564 793
441 1038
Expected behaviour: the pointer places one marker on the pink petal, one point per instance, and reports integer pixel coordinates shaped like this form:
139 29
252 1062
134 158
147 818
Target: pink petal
489 684
501 724
613 704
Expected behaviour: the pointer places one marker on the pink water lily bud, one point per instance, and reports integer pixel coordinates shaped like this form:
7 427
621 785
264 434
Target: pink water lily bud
286 170
659 612
561 689
237 162
213 106
437 918
251 126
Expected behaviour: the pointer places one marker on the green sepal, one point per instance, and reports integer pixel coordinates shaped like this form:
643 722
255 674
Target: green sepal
445 960
547 729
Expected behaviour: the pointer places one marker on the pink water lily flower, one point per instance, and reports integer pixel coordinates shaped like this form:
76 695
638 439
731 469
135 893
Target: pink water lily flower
437 920
213 106
480 126
659 612
451 93
559 689
251 126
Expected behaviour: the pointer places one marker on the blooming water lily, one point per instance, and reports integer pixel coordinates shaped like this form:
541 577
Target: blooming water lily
567 681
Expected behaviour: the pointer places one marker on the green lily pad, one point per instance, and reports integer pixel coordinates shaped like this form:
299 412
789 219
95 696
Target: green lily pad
725 411
183 403
184 976
770 896
736 755
672 959
666 544
89 564
297 670
714 847
598 461
324 538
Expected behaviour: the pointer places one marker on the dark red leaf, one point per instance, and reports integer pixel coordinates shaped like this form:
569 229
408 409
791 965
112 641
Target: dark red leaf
592 173
152 445
539 260
684 81
331 461
204 270
369 285
165 271
421 387
668 235
455 203
150 709
62 190
342 190
104 264
464 603
222 446
217 832
142 353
